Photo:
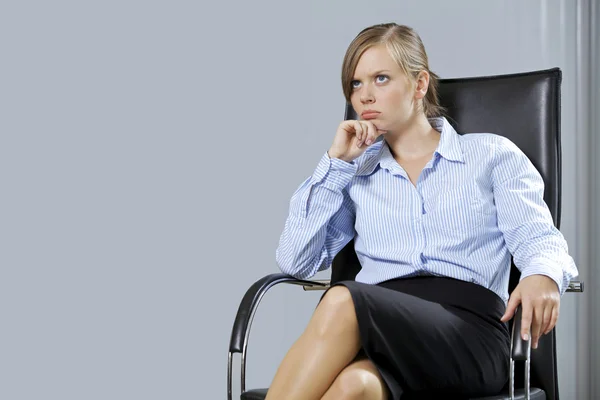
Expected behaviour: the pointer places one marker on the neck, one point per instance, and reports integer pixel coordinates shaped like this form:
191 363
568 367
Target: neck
418 139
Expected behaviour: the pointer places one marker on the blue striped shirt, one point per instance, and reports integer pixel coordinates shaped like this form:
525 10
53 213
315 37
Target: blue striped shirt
478 201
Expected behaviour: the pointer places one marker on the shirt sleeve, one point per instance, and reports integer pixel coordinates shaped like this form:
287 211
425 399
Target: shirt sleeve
525 220
320 221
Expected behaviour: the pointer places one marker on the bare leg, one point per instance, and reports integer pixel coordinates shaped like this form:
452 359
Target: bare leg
329 343
359 380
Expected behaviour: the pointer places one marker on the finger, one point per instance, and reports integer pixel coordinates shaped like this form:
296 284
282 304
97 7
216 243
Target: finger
553 319
350 126
379 132
547 319
526 320
536 325
371 135
511 307
358 128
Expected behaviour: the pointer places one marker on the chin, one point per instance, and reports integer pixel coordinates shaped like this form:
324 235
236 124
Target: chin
380 126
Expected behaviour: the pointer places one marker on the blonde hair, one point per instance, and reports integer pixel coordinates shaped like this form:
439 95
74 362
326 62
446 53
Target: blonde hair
405 47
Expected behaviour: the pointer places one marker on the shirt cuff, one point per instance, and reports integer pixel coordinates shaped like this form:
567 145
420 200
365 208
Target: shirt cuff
333 172
538 267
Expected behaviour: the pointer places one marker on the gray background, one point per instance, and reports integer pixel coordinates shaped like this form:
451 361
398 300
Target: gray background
148 152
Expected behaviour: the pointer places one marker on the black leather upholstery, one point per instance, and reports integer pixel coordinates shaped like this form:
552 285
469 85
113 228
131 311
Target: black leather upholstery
526 109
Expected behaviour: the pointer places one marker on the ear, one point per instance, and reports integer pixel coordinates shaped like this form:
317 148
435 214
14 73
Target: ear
422 84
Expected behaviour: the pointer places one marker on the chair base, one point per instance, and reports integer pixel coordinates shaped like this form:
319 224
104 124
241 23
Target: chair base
536 394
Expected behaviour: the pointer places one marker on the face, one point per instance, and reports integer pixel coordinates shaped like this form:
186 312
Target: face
379 85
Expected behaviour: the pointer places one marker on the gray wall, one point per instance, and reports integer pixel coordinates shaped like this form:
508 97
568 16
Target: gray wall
594 273
148 153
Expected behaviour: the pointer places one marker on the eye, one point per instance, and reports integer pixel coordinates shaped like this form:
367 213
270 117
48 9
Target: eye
382 78
354 84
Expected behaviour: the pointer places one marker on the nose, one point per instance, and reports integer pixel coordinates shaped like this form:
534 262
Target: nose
366 96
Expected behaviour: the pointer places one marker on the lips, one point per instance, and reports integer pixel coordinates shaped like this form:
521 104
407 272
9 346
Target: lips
370 114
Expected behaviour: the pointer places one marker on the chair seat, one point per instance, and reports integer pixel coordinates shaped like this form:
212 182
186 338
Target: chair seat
255 394
536 394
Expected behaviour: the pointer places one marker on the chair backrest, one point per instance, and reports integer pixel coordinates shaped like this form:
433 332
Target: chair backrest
526 109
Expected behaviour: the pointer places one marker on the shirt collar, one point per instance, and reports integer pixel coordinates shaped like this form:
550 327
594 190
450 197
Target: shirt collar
449 146
379 154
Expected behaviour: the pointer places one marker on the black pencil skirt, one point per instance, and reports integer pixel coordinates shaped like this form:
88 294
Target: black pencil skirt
433 337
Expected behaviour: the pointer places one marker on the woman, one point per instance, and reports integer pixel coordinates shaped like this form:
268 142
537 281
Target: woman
435 217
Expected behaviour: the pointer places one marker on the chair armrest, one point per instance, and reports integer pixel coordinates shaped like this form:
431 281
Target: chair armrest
575 286
251 300
520 349
245 314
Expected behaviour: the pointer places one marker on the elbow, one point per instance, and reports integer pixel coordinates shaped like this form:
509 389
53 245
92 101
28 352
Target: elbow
288 264
294 265
284 264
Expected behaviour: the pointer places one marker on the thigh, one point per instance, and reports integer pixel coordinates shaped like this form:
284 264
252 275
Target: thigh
335 314
359 380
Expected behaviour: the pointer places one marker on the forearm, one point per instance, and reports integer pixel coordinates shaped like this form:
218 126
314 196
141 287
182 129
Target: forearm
540 249
320 221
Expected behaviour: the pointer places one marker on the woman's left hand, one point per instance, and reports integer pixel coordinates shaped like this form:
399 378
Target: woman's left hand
540 299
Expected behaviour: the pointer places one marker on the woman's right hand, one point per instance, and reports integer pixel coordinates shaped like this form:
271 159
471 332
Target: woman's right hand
352 139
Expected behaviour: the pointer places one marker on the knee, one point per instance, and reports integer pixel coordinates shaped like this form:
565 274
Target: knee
337 298
335 313
356 384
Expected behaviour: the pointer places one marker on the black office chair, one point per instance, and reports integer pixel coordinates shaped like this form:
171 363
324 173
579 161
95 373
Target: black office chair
522 107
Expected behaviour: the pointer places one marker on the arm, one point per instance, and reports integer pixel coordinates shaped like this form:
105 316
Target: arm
320 221
538 248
